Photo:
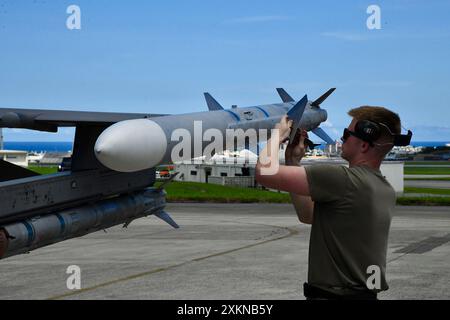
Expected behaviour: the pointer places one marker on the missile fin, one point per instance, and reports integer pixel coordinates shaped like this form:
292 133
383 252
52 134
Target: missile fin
284 95
213 105
322 98
322 135
295 114
311 145
165 217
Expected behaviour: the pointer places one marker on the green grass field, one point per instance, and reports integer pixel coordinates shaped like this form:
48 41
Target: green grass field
427 190
426 170
43 170
429 179
201 192
424 201
432 163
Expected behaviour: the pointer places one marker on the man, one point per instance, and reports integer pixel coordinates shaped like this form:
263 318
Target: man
350 209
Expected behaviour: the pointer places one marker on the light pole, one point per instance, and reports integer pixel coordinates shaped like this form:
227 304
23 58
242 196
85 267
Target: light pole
1 139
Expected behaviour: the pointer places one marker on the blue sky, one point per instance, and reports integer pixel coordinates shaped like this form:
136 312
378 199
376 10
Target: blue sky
160 56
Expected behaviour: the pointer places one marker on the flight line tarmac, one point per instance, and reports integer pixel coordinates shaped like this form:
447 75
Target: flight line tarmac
222 251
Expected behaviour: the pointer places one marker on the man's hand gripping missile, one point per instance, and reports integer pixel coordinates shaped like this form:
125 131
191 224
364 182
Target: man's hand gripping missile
290 130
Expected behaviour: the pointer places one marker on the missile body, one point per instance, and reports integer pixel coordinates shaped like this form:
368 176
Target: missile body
26 235
135 145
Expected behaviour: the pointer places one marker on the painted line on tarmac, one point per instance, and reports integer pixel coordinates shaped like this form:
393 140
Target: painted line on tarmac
291 232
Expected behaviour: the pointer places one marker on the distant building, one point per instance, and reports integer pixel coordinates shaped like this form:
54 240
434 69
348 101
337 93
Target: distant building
53 159
35 158
224 174
403 153
238 169
19 158
333 150
434 154
229 168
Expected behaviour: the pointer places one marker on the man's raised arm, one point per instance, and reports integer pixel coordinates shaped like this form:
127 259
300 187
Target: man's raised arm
291 178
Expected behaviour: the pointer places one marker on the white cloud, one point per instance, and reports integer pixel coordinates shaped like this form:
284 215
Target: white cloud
327 124
331 130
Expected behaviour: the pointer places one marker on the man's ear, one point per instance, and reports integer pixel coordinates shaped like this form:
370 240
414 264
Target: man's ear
365 147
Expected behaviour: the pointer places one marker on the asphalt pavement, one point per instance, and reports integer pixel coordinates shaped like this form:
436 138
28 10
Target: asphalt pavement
221 251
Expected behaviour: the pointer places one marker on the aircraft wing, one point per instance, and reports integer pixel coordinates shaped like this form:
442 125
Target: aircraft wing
50 120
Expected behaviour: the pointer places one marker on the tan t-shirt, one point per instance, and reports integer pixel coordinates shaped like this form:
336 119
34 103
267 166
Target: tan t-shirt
352 215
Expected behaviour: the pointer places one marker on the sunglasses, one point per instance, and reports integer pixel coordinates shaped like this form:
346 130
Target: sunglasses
347 133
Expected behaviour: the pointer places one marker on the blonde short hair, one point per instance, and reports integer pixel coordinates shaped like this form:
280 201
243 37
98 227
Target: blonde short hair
378 115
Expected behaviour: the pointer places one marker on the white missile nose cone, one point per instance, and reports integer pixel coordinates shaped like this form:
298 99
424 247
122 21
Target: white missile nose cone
131 145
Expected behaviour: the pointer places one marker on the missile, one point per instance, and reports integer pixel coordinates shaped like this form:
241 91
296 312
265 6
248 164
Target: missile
26 235
135 145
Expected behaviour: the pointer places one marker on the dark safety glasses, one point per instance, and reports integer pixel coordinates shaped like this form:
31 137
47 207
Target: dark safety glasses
347 133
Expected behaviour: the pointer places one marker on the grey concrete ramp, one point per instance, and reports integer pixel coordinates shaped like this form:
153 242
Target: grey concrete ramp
234 251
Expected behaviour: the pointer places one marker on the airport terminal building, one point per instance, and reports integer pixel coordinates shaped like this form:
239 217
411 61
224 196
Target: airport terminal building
238 169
